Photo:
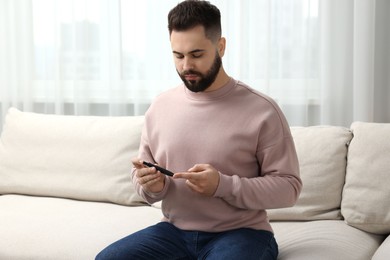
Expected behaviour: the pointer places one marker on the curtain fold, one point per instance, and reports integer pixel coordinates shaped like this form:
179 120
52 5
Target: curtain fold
363 63
324 62
16 54
354 61
382 62
336 59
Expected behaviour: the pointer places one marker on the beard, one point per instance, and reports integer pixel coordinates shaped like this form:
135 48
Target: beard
206 80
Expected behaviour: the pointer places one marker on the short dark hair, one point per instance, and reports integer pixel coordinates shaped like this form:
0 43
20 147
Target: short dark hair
191 13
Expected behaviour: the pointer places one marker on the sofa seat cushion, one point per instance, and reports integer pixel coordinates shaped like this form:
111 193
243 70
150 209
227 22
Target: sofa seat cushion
324 240
55 228
383 252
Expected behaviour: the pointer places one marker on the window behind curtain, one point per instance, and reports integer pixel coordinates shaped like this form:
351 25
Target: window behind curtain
112 57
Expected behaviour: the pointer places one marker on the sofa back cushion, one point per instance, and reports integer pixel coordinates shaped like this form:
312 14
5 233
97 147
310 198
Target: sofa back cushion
322 153
77 157
366 195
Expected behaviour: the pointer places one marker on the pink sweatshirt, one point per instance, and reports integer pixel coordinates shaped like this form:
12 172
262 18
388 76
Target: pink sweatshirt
240 132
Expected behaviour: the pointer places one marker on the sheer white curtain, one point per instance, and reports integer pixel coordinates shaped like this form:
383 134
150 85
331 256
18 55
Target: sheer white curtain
355 61
325 62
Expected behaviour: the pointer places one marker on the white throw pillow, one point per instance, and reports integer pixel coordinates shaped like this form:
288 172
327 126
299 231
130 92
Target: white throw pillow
322 153
366 195
76 157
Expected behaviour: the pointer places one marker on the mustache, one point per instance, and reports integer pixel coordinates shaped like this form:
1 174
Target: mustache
192 72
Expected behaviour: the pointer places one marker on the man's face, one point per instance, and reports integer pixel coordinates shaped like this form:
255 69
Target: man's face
196 58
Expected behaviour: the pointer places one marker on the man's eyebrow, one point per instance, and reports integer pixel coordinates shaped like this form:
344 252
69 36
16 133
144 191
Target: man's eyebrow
191 52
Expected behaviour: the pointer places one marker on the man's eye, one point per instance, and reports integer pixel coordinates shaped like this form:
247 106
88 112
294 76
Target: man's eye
179 57
196 55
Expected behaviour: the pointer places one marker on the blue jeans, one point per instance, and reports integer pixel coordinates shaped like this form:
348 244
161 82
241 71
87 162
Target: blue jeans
165 241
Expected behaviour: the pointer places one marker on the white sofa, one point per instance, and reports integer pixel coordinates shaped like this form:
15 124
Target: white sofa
66 191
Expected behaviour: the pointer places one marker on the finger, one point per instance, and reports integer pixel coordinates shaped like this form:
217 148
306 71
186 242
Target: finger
137 163
192 186
152 182
184 175
198 168
144 171
149 179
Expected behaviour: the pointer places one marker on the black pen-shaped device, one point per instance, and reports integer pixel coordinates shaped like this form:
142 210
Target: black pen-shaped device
160 169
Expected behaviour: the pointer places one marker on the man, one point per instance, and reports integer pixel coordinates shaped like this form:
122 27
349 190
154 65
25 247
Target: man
229 146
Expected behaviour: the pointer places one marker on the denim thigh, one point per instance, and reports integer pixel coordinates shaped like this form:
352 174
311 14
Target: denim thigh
243 243
165 241
160 241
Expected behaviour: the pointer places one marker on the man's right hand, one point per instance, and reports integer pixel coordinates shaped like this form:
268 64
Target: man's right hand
148 177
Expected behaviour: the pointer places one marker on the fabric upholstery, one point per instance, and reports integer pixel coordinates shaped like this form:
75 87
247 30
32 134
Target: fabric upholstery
366 195
383 252
324 240
322 153
66 172
42 228
77 157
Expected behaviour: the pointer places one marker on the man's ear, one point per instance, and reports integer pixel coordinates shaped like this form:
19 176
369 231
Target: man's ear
221 46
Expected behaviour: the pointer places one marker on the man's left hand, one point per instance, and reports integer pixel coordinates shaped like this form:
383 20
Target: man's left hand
201 178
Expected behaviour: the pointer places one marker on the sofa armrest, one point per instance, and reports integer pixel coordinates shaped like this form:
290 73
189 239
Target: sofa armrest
383 252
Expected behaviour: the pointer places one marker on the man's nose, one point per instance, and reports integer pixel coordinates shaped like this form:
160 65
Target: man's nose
187 64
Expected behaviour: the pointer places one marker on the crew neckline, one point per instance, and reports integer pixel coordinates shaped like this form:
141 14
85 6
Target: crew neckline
211 95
